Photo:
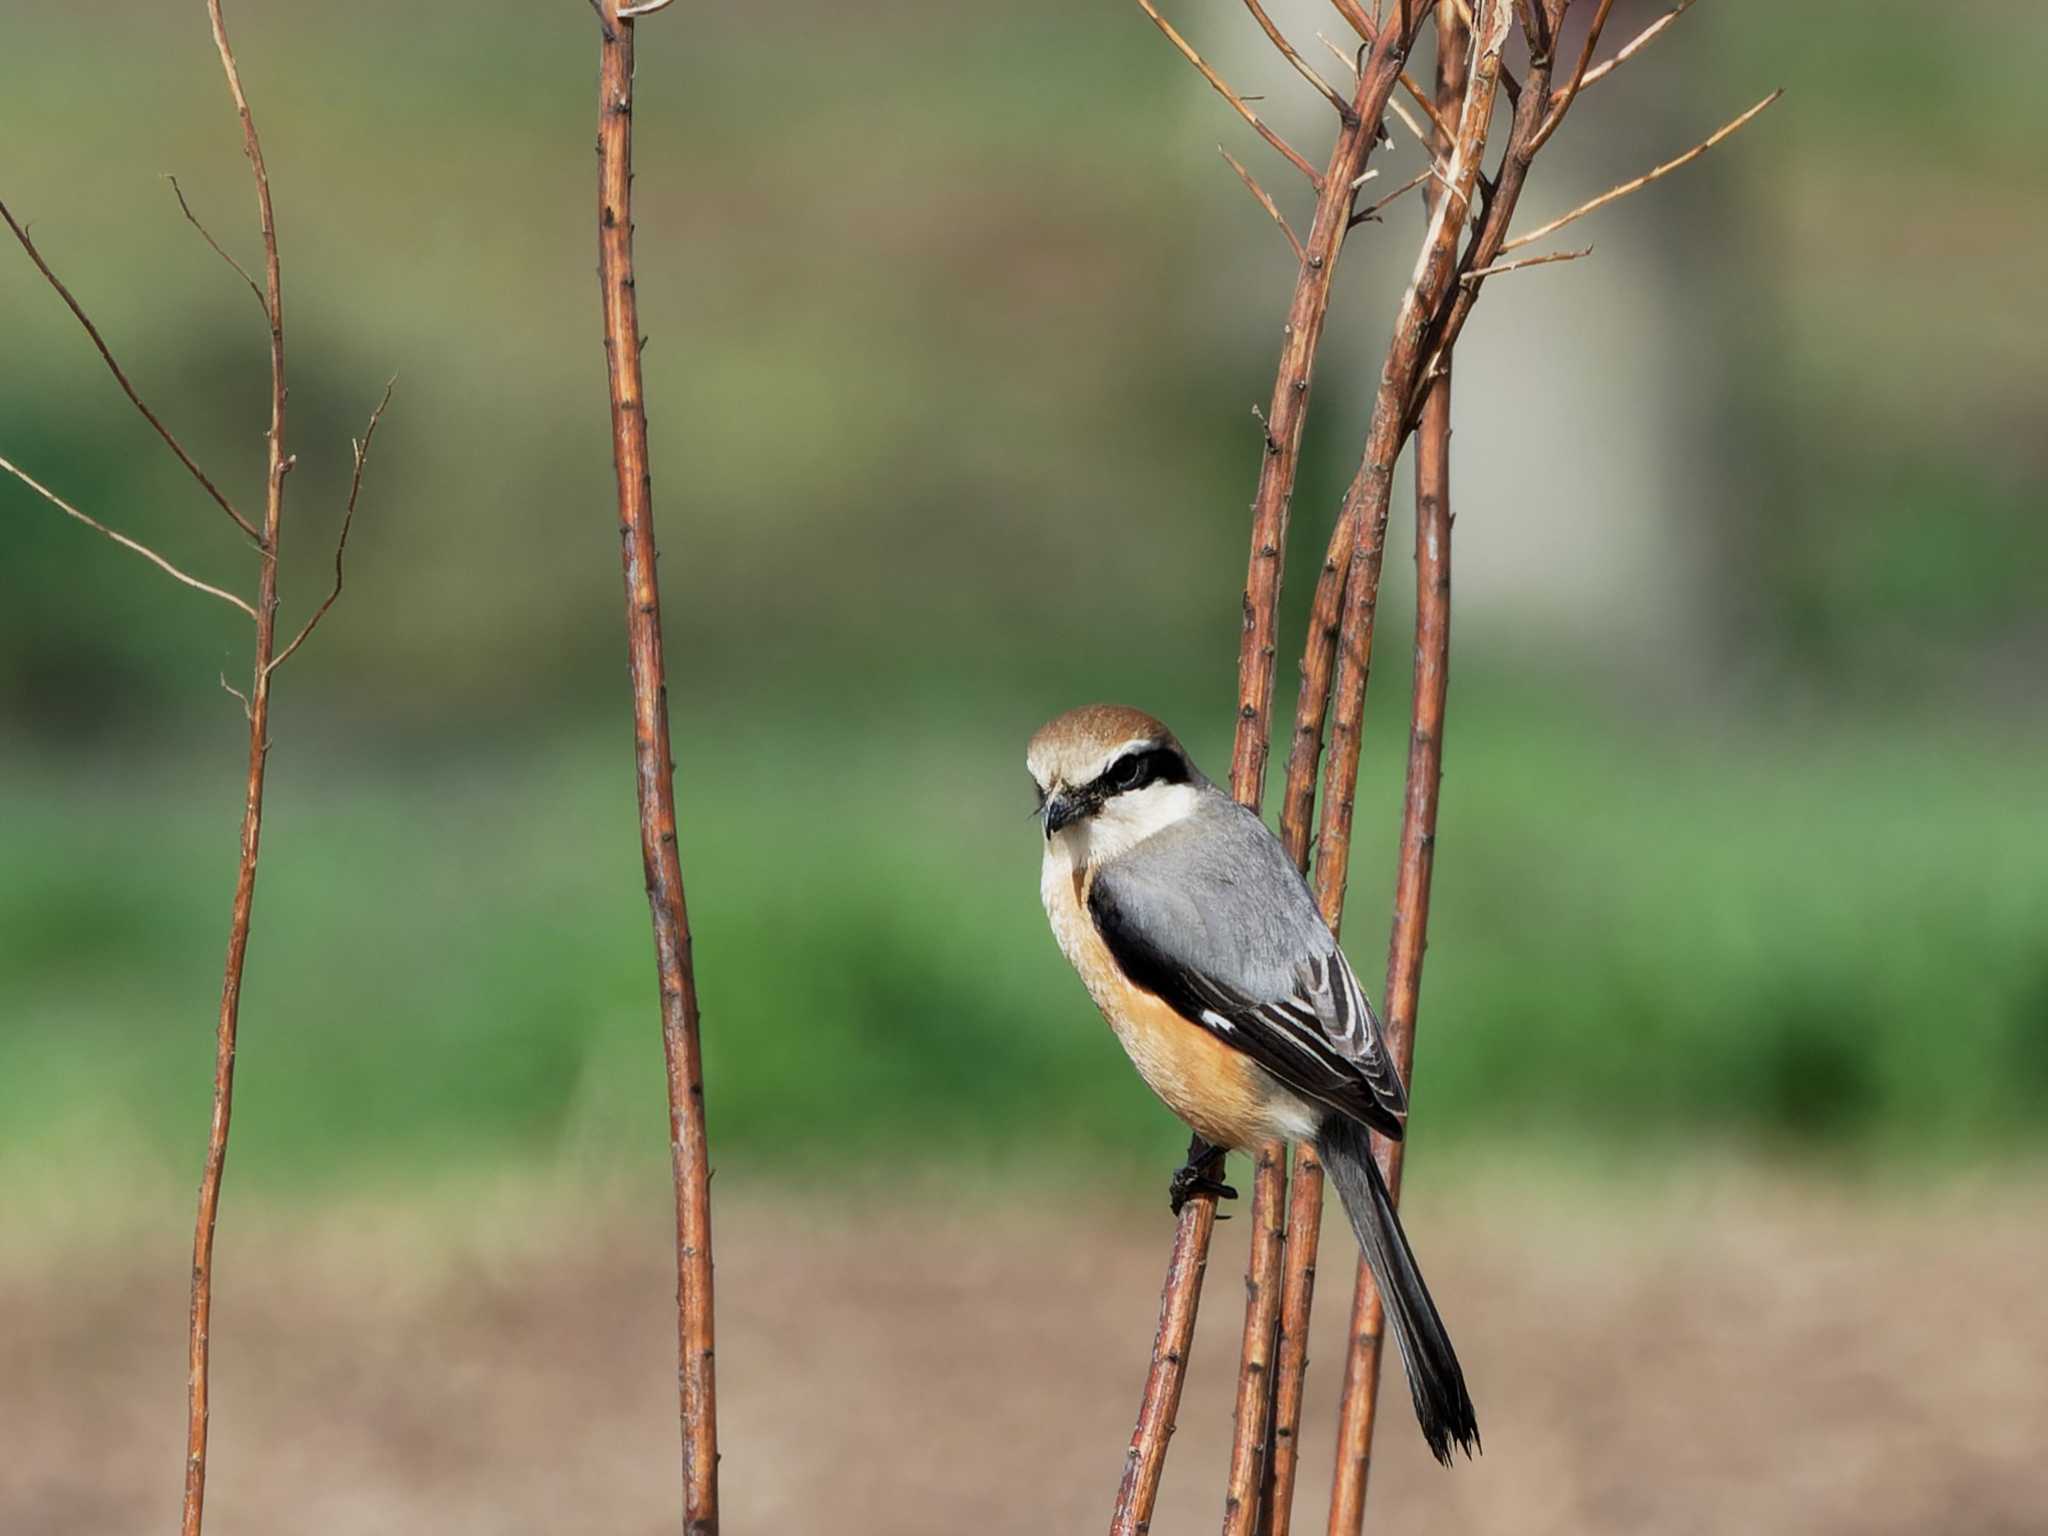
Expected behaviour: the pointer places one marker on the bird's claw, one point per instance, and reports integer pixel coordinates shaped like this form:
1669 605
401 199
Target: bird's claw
1199 1175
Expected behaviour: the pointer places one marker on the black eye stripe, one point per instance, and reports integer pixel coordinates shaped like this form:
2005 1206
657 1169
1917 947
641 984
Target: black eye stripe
1139 767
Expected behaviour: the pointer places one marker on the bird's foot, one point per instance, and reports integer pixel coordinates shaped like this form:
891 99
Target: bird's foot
1201 1174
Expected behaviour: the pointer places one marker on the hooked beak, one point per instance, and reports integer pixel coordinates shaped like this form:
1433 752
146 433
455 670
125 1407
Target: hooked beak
1063 808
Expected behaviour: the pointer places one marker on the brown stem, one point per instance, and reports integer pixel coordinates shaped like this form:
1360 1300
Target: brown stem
1179 1299
656 777
1288 412
1145 1461
1244 1484
1409 938
1368 498
277 465
1297 812
1290 1370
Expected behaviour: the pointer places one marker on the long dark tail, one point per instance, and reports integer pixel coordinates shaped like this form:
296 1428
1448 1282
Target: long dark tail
1434 1379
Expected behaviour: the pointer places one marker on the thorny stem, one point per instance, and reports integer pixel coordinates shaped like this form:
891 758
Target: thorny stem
1145 1461
1367 505
688 1146
277 465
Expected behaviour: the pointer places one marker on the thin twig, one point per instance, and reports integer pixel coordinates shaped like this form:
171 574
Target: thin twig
1499 267
207 235
1562 103
1373 210
1265 201
1628 50
1408 122
361 449
688 1147
1613 194
236 694
278 465
99 343
122 539
1301 65
1408 83
1223 89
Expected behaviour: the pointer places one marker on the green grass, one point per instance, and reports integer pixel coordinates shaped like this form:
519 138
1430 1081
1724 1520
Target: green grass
1820 940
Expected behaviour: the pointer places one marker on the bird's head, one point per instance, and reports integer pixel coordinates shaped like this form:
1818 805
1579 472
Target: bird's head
1108 777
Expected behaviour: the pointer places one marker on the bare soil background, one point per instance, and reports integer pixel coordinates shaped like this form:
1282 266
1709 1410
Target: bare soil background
1724 1350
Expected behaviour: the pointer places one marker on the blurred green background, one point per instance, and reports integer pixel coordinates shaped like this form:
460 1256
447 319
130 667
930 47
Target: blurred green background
956 325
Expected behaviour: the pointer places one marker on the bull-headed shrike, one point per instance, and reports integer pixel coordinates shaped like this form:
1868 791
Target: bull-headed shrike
1199 941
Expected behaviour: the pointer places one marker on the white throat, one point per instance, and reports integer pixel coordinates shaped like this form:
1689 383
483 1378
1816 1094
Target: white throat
1125 821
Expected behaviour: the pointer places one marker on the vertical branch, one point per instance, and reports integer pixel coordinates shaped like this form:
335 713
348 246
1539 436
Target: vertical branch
1287 412
255 706
1290 1371
656 776
1469 72
1145 1460
278 464
1245 1481
1297 812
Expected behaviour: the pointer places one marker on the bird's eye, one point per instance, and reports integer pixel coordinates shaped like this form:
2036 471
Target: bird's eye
1129 772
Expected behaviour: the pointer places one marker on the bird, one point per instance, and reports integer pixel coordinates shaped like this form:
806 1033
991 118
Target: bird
1200 943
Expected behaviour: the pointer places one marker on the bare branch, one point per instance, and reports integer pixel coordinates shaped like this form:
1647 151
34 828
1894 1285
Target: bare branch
1416 92
235 693
1562 102
1223 89
1629 49
1613 194
1265 202
1373 211
1361 23
207 235
1279 464
1301 65
277 464
1429 108
1364 517
348 517
99 342
122 539
1263 1294
1408 122
654 763
1500 267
